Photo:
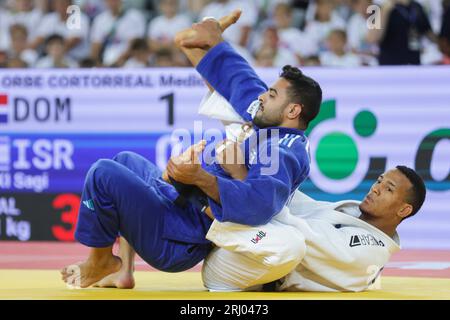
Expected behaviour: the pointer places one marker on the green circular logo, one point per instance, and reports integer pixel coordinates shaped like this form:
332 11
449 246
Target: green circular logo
337 155
365 123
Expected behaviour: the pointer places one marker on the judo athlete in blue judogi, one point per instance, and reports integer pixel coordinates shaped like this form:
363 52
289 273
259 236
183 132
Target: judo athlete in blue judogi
127 196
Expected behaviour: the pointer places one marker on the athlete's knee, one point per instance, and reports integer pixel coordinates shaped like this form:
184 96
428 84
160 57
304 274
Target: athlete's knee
102 168
124 156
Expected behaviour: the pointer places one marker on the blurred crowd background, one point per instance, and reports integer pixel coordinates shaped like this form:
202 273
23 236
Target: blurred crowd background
270 33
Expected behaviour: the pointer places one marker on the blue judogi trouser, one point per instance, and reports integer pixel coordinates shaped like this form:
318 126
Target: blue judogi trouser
127 196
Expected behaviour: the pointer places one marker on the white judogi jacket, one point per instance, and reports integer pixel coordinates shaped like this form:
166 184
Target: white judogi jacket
343 252
340 251
313 245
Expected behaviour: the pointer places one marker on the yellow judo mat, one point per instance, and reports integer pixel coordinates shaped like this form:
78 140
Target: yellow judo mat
46 285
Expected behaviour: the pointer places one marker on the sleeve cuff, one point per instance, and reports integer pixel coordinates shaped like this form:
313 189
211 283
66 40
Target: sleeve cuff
217 209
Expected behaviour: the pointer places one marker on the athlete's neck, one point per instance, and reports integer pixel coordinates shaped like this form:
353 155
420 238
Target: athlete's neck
381 224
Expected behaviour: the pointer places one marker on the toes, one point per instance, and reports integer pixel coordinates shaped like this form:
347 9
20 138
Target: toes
74 280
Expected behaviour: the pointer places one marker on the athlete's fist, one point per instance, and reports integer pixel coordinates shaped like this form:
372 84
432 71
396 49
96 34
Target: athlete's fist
231 158
185 167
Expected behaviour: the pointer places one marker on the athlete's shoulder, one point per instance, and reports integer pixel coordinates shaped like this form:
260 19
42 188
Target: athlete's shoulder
293 141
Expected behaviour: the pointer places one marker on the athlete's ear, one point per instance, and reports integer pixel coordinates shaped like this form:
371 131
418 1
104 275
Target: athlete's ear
405 211
294 110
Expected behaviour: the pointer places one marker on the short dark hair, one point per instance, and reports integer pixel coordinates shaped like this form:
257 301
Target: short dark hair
87 63
54 38
416 194
303 90
139 44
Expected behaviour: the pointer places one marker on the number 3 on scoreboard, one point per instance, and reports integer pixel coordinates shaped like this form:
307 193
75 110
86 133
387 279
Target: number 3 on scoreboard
70 216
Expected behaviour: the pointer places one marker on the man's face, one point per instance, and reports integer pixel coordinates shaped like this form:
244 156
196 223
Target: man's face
336 42
169 7
265 56
55 49
18 39
24 5
114 5
282 17
61 6
272 105
387 195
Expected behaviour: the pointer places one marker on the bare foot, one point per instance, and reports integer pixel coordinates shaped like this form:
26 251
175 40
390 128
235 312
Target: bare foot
123 279
87 273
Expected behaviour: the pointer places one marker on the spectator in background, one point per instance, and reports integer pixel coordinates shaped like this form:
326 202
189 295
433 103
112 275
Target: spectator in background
433 9
444 35
240 32
269 43
18 49
139 54
430 53
290 38
313 61
147 7
91 8
42 5
76 40
4 25
113 31
357 31
337 54
265 57
3 59
163 58
323 19
194 7
55 58
162 29
403 25
88 63
16 63
344 9
22 12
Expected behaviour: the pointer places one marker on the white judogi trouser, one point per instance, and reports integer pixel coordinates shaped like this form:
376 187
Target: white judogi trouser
247 257
317 247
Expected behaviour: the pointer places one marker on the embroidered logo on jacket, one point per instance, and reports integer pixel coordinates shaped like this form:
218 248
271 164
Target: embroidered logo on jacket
253 108
89 204
365 240
259 236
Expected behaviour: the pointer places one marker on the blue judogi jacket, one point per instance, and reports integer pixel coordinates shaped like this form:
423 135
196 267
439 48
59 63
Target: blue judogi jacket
260 196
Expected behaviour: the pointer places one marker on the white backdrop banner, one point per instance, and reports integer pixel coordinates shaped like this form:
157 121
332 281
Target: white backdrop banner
55 123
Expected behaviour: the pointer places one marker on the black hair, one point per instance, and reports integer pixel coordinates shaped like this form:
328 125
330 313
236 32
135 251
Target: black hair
54 37
87 63
139 44
164 53
303 90
416 194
